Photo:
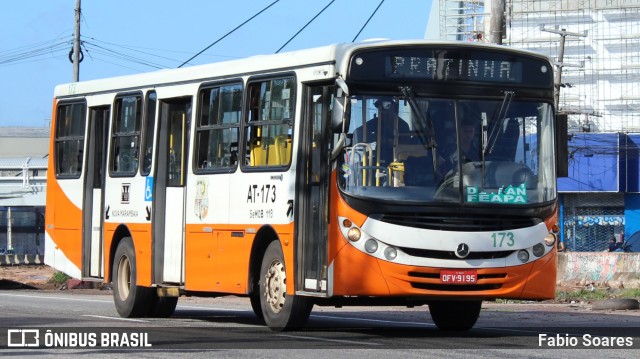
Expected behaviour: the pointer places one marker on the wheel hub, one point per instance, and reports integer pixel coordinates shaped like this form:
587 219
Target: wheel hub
124 278
275 286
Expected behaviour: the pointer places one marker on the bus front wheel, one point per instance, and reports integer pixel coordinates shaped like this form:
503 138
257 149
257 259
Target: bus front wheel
455 315
130 299
279 310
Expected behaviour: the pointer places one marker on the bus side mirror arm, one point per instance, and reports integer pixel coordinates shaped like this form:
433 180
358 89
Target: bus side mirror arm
340 115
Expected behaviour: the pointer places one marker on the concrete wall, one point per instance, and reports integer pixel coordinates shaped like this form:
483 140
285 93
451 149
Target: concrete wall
615 270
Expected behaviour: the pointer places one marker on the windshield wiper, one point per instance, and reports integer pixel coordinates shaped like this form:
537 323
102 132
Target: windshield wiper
501 115
424 125
424 122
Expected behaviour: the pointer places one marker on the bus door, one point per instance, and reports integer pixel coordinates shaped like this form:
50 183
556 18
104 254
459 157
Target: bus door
92 218
312 193
169 191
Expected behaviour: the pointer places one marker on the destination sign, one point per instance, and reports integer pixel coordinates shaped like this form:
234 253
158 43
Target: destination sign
454 69
460 65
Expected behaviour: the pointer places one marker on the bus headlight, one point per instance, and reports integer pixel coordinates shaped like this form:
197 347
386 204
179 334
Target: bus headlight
390 253
550 239
354 234
538 250
523 256
371 245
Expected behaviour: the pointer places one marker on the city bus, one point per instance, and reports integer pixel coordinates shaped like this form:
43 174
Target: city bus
402 173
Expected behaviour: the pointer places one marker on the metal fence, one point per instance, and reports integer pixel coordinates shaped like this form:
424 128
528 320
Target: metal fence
22 230
591 219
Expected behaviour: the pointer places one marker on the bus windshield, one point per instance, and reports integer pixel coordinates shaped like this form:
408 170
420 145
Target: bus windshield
418 149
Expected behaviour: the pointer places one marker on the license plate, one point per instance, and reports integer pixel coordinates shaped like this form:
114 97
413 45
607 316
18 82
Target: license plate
458 276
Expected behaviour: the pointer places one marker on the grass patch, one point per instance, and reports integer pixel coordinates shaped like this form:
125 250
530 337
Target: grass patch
585 294
629 293
58 278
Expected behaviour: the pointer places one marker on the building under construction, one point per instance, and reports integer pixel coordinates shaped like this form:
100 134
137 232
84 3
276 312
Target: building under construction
599 87
596 46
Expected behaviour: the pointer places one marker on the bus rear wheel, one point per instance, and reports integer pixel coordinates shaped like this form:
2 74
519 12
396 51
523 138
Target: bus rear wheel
455 315
279 310
130 299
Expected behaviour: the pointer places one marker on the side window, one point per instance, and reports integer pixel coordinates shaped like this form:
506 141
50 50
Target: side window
69 139
270 122
125 142
218 128
149 127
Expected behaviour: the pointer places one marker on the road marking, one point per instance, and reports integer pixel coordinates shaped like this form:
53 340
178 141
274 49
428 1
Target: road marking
186 306
115 318
373 320
327 340
58 298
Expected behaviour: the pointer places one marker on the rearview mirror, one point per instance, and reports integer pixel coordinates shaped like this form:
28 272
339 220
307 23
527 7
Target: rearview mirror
340 112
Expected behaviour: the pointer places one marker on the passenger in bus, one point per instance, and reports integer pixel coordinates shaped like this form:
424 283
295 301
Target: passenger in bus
387 112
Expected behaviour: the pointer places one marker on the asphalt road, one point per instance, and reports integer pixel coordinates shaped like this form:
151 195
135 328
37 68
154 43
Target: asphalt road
226 327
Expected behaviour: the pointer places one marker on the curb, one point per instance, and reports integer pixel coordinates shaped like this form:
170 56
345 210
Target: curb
616 304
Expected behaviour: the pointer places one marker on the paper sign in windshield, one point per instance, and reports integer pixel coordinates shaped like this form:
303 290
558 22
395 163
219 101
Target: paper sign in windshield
508 195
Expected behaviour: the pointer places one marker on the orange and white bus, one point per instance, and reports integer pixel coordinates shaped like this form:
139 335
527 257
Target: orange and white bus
374 173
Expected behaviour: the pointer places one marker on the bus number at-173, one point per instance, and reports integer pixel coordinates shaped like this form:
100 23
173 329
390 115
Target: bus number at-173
261 194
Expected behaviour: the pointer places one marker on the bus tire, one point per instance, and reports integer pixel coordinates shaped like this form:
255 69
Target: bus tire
279 310
455 315
130 299
162 307
254 298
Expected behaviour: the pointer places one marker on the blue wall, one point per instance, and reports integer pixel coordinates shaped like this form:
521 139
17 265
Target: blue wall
595 163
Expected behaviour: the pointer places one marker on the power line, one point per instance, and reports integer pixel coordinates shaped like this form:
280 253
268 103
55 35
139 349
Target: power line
32 52
130 49
367 22
307 24
229 33
119 55
145 50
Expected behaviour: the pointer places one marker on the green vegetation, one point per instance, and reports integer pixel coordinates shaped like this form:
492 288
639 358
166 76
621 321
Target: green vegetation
587 294
584 295
59 278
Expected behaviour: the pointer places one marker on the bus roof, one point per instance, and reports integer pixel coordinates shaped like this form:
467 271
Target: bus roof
336 54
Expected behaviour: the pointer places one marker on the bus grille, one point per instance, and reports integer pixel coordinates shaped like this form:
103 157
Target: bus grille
456 288
433 254
454 223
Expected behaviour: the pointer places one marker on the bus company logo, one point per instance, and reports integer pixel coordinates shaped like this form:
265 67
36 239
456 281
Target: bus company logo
125 193
462 251
23 338
61 338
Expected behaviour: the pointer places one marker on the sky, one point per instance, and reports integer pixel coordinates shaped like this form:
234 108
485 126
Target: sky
122 37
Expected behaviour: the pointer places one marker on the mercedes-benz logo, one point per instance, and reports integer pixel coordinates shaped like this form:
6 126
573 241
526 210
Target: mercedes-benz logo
462 251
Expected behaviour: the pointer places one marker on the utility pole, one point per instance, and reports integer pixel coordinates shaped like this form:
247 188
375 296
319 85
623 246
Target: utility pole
563 34
497 21
76 45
